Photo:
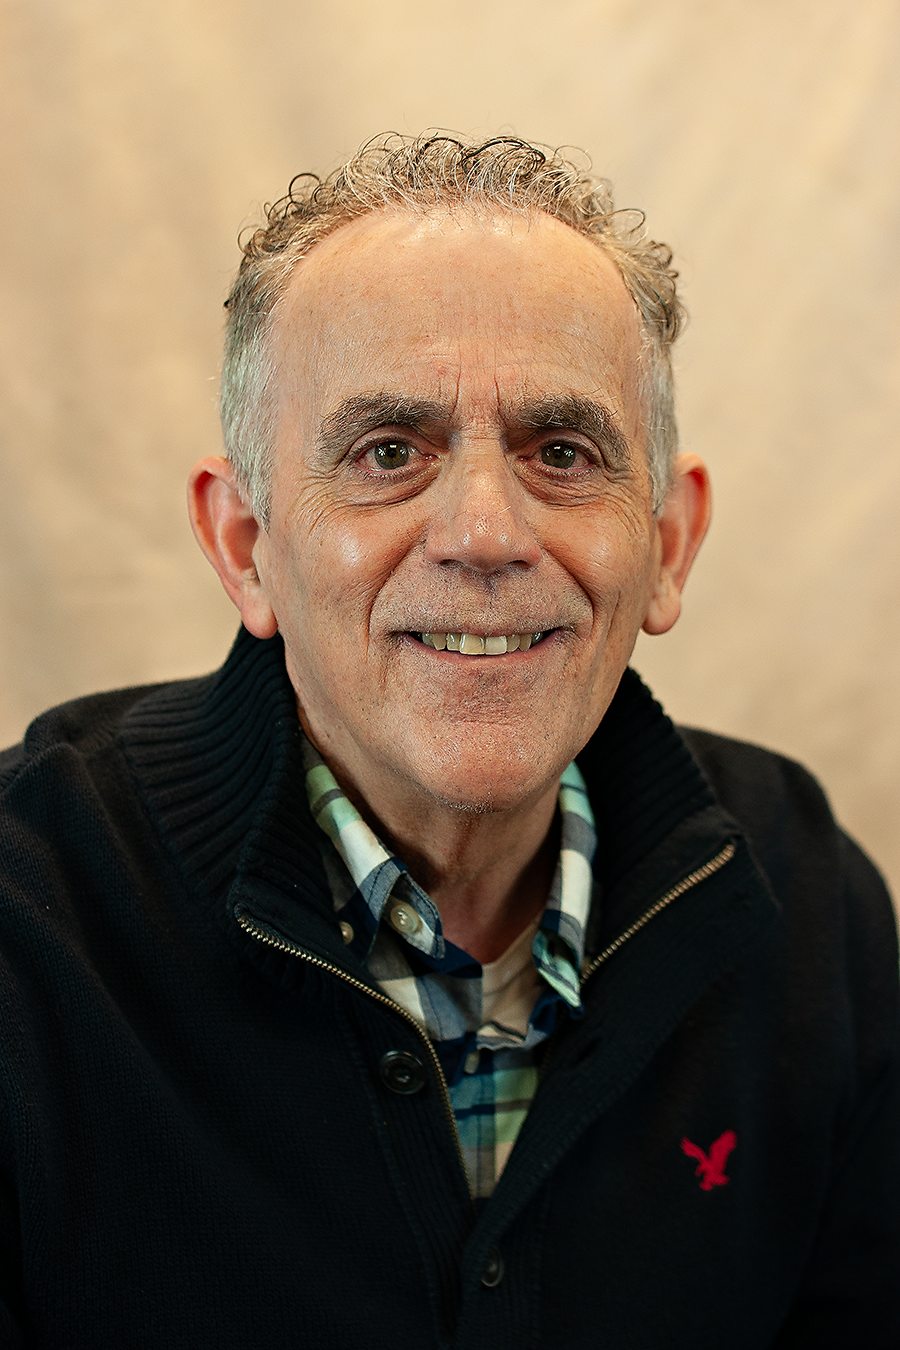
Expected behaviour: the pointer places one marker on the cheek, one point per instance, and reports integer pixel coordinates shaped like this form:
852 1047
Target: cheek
334 559
611 557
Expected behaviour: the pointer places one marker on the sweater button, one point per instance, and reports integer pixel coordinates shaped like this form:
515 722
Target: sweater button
402 1072
493 1269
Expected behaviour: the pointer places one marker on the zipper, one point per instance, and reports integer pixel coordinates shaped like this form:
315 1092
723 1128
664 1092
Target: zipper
686 884
272 938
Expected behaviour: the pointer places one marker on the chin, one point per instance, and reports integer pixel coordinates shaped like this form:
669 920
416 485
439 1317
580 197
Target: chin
466 783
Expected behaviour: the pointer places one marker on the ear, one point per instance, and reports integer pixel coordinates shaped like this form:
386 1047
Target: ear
681 526
227 531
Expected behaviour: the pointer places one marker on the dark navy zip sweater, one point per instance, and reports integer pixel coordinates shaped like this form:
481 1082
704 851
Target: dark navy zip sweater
203 1144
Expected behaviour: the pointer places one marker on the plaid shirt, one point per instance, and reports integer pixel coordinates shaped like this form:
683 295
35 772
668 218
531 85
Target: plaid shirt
486 1022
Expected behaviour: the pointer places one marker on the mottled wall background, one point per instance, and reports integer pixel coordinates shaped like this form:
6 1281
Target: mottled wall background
762 141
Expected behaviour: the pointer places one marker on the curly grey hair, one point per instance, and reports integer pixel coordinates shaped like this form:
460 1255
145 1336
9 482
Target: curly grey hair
419 175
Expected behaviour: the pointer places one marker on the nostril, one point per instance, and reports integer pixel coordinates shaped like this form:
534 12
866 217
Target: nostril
485 545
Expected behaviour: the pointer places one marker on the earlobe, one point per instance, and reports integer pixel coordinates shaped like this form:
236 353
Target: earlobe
228 533
681 526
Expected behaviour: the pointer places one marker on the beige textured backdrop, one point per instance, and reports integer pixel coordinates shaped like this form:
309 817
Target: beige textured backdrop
760 137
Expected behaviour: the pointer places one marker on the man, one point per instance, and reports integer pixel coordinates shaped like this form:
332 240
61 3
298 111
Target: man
413 981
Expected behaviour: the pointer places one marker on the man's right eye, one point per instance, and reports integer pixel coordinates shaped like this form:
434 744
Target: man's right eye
390 455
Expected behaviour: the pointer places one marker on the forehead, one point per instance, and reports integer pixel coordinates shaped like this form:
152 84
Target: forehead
454 305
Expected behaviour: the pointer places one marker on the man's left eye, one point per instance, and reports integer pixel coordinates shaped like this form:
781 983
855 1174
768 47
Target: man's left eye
391 455
558 455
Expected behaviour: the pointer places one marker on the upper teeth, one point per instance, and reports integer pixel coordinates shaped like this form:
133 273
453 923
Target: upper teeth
471 644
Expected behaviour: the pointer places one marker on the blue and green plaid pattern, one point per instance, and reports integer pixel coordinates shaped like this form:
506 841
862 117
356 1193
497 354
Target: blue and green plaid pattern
486 1022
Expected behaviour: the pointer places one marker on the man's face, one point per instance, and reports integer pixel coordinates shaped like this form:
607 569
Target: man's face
459 451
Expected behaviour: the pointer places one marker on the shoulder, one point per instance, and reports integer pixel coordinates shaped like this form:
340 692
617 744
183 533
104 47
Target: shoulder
788 821
75 736
76 841
779 804
83 724
70 777
768 793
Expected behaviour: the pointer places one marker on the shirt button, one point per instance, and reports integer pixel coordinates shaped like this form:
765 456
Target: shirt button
402 1072
347 932
404 918
493 1269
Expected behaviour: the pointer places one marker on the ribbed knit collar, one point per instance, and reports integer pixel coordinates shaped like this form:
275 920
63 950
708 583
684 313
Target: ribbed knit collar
220 767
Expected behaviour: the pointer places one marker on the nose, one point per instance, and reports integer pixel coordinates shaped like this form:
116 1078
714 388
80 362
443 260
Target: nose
480 518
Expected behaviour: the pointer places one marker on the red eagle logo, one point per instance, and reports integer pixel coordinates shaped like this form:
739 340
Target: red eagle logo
711 1166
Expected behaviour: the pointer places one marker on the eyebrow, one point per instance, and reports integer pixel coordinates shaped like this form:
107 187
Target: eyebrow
365 412
569 412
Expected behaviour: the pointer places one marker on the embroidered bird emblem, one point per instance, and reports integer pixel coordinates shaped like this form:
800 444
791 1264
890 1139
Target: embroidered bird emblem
711 1166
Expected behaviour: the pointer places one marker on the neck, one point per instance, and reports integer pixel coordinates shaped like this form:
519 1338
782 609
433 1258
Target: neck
488 872
489 877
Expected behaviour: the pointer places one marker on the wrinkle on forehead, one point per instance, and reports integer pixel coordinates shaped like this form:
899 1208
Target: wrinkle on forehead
444 311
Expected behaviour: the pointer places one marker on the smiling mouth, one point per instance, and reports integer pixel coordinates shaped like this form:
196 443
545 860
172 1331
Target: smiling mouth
473 644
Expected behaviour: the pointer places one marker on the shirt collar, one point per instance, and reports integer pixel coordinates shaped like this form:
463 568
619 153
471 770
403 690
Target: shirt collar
379 877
